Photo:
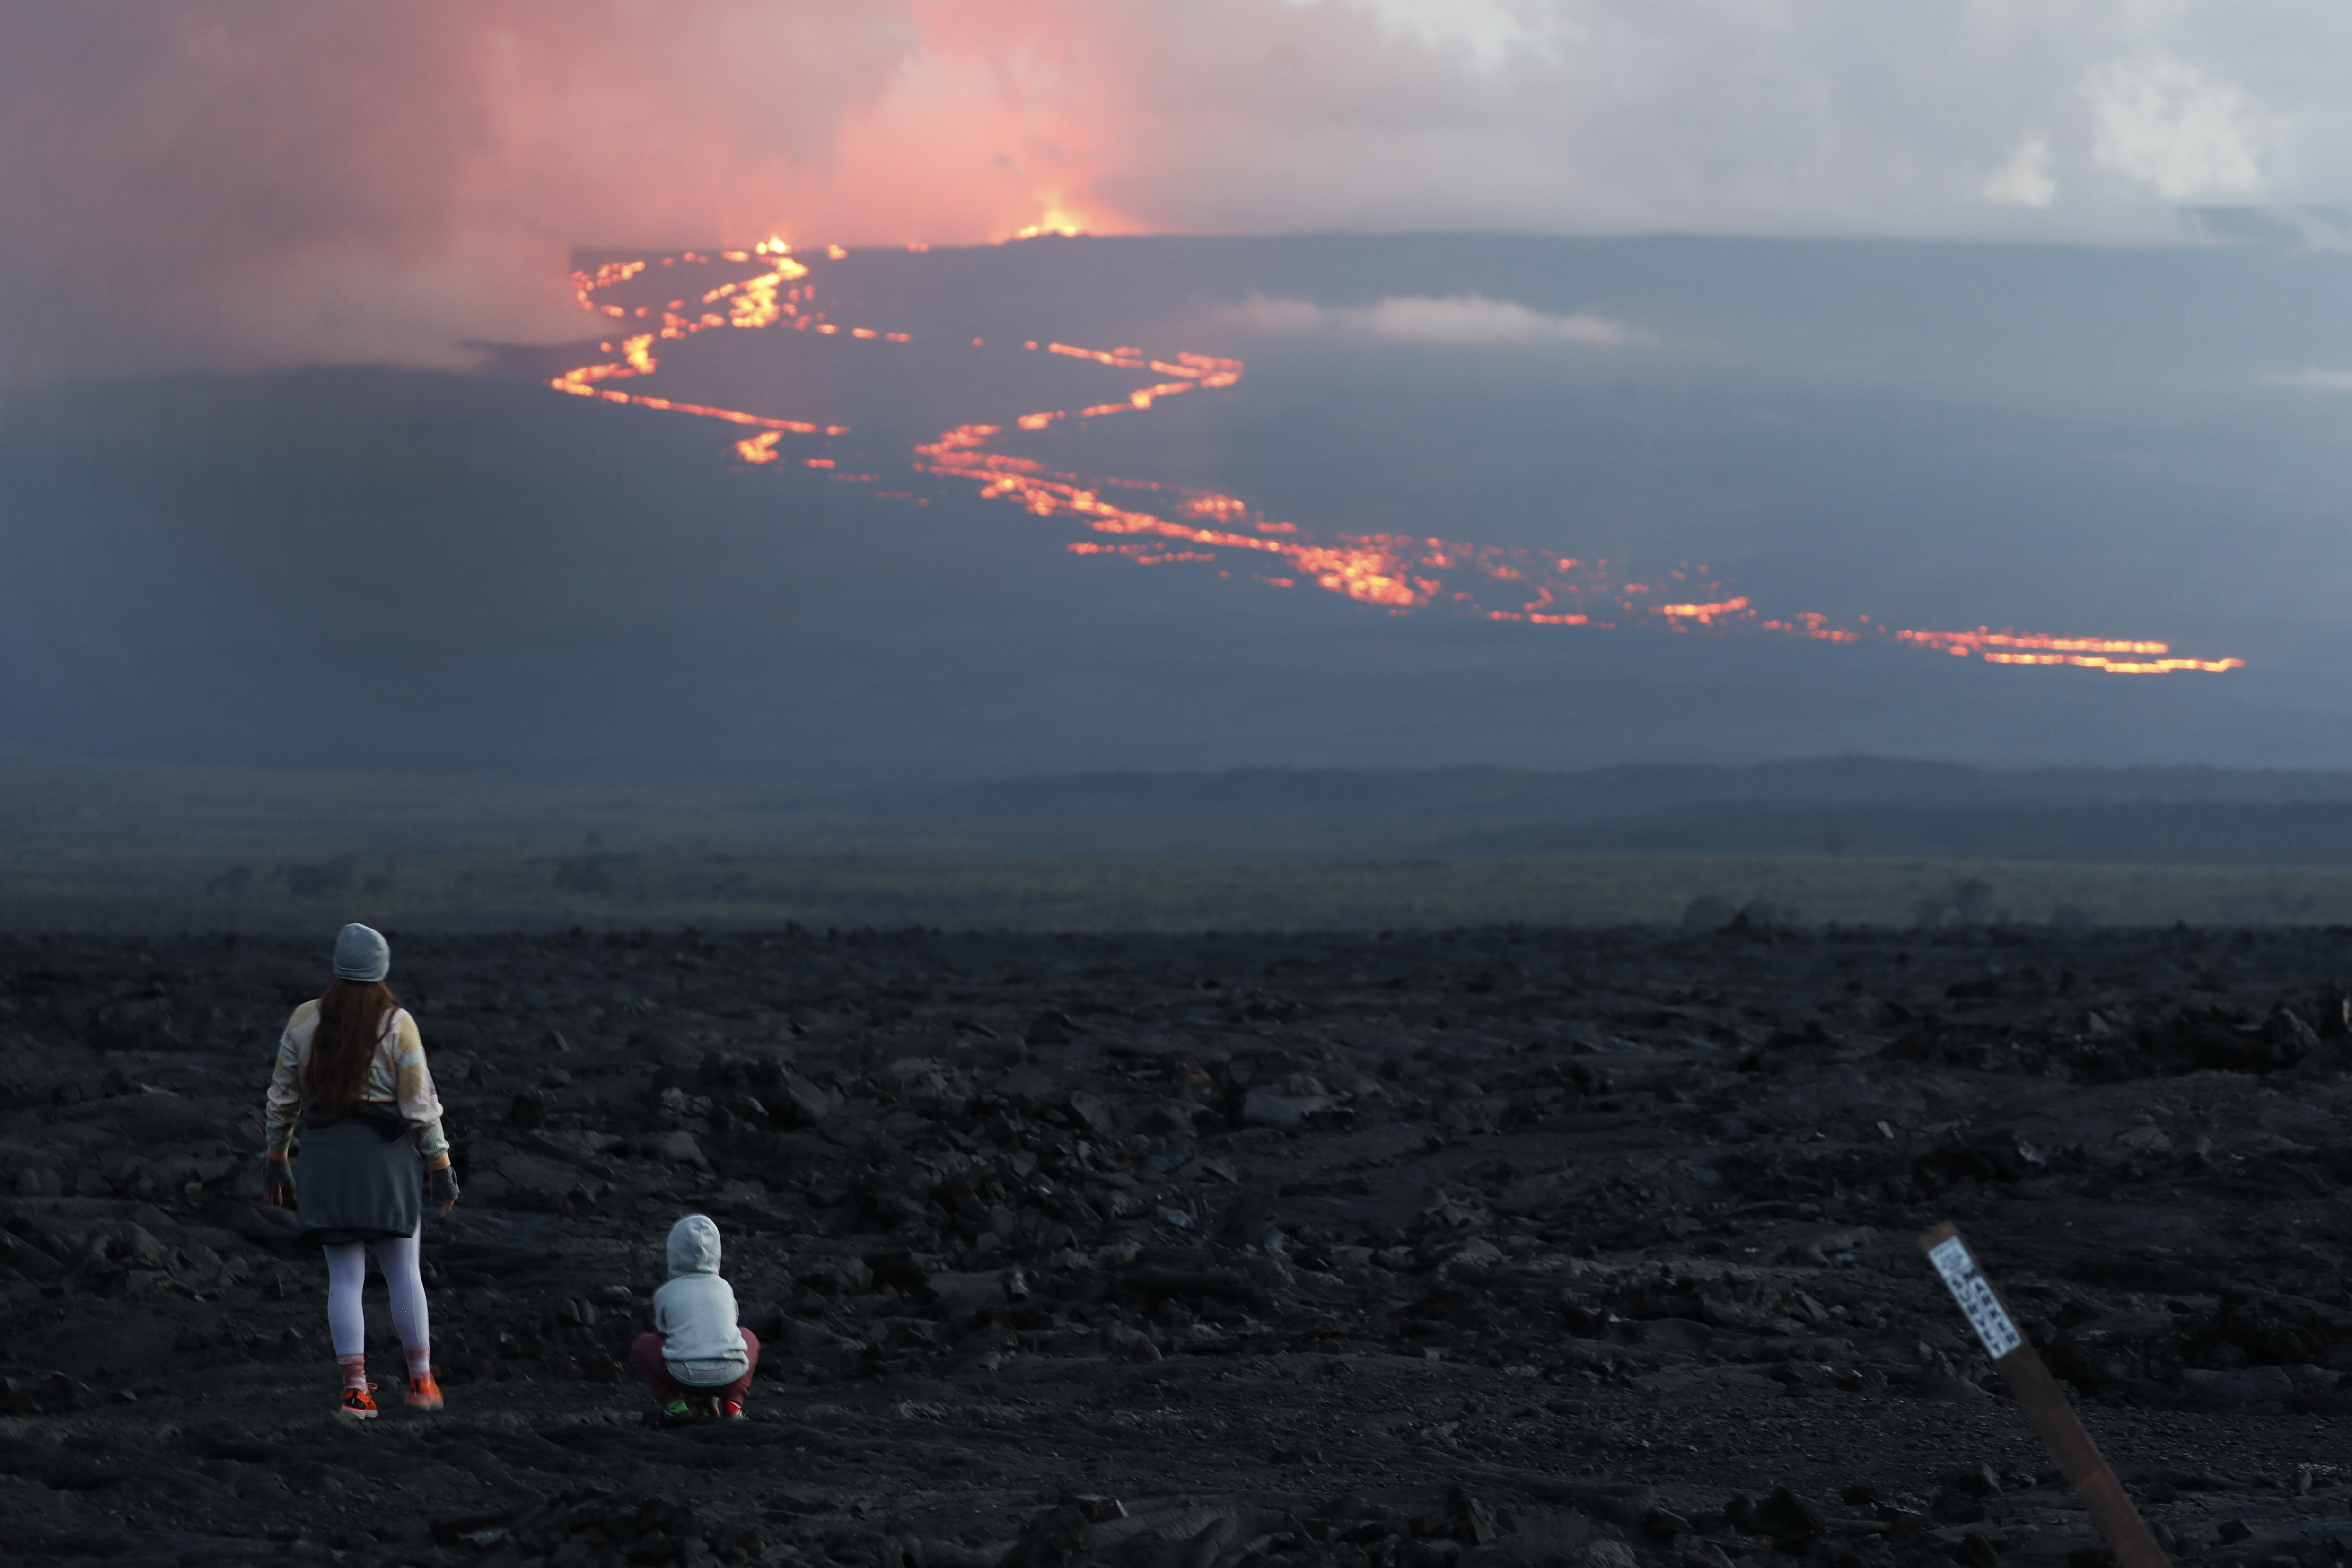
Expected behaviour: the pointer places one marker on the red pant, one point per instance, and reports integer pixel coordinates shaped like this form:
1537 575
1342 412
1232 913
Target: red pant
646 1356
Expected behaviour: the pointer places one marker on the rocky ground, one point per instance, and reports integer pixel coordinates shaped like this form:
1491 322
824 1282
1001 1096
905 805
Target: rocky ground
1451 1250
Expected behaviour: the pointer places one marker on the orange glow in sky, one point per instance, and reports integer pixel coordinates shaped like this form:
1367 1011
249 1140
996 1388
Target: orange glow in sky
1151 524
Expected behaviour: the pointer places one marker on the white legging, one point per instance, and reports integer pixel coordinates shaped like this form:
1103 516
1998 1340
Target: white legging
347 1271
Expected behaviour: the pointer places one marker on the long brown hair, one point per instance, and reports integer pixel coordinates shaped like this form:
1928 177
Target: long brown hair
351 1018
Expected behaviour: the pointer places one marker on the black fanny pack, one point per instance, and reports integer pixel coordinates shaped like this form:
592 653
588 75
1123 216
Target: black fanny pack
383 1121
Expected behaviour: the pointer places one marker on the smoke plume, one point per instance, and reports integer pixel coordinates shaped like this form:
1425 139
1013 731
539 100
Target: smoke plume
254 182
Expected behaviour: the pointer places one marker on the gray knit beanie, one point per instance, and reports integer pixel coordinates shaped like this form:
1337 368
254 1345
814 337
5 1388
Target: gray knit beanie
361 954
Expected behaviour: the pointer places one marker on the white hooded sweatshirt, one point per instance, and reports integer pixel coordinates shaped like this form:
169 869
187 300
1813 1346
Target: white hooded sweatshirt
694 1313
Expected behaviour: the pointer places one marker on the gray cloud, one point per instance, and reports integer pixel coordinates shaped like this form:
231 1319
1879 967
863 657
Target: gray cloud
273 181
1454 319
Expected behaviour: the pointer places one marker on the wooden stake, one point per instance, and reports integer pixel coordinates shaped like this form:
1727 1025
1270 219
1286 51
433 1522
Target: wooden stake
2045 1404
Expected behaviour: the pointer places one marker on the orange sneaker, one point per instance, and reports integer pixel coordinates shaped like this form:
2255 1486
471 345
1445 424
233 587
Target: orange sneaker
359 1402
424 1393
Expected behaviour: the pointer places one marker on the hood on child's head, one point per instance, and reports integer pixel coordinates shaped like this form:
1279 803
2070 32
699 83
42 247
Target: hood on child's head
693 1246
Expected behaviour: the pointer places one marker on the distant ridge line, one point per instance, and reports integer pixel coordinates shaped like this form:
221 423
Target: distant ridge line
1852 806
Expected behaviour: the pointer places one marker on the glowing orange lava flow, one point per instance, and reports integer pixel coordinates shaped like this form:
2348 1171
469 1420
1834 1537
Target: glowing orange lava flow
1398 572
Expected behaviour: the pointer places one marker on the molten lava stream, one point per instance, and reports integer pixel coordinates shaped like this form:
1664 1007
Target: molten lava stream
1399 574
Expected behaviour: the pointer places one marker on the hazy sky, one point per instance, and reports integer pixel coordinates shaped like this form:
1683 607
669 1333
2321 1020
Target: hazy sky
1471 309
281 182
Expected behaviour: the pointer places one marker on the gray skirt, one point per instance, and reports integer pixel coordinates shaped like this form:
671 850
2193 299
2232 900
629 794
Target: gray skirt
352 1184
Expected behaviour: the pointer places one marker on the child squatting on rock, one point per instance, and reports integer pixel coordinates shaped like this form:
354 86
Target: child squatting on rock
352 1076
698 1361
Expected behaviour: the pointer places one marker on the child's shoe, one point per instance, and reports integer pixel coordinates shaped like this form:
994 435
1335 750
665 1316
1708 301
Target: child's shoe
674 1413
732 1410
358 1403
424 1393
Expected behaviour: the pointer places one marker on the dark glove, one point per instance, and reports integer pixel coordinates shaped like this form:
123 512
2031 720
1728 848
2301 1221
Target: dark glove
441 1187
277 1184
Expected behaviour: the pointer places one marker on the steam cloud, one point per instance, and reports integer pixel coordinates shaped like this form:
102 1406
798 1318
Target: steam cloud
1470 318
271 181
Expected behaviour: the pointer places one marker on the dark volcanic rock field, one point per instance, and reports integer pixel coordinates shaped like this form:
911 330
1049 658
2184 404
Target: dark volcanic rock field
1453 1251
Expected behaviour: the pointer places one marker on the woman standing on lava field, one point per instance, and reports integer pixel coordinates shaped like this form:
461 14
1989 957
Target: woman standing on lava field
351 1075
